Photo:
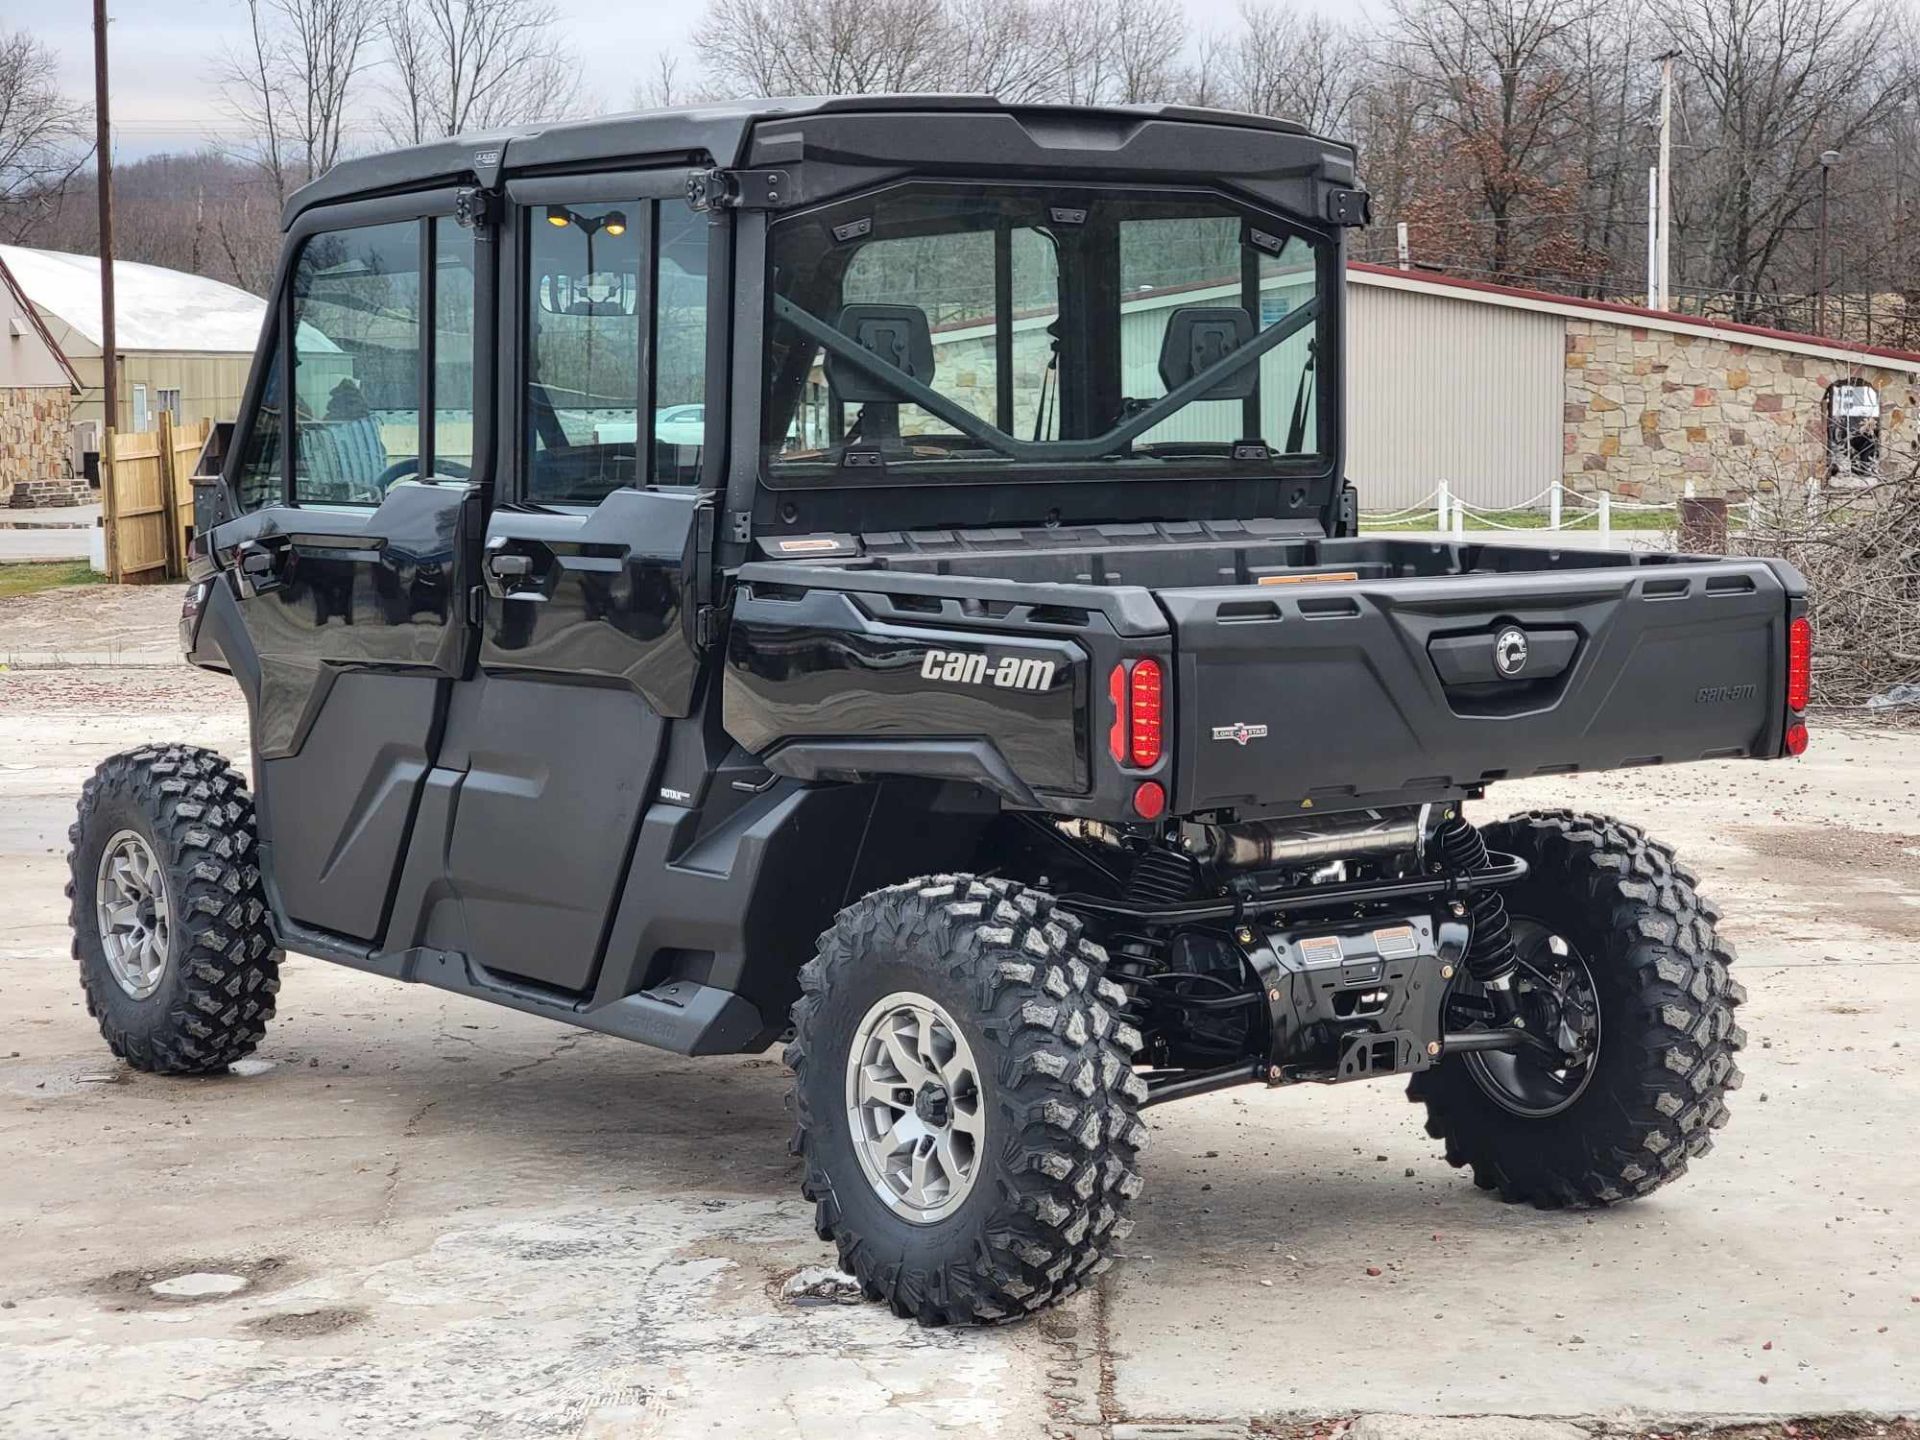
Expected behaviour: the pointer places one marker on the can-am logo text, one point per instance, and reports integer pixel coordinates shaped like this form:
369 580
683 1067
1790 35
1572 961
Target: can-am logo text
1010 672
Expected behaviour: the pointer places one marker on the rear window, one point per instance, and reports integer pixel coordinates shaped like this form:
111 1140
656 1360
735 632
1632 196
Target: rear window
951 329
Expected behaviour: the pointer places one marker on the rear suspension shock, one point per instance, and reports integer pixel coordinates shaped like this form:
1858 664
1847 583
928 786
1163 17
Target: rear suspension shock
1490 954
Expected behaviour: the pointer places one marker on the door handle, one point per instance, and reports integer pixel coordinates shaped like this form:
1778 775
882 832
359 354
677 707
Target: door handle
508 573
504 566
256 567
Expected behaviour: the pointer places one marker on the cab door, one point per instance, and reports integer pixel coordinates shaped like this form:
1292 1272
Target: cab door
592 567
345 606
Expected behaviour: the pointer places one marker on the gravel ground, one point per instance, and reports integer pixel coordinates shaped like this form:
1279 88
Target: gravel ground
444 1219
92 617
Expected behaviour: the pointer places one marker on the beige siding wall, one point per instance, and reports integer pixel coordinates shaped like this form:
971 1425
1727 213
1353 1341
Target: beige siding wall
209 385
1455 390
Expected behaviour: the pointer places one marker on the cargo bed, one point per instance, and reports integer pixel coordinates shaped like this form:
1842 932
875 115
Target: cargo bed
1298 669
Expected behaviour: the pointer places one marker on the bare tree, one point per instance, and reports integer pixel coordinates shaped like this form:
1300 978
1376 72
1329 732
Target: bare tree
1003 48
461 65
1492 80
664 86
42 135
1773 84
826 47
1302 67
1116 52
293 83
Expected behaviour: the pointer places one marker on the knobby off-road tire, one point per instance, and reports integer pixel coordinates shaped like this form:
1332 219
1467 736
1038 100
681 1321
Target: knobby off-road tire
1667 1034
1056 1166
213 980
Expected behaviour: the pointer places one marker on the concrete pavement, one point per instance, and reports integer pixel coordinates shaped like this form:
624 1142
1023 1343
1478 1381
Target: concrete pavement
62 533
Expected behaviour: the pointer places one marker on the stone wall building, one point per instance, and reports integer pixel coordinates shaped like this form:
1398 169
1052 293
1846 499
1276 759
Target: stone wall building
37 391
1649 410
1601 396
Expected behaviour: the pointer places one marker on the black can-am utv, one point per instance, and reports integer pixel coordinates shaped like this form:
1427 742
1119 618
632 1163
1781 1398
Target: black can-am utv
878 573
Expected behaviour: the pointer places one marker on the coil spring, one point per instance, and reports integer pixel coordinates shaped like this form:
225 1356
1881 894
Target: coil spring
1163 877
1490 949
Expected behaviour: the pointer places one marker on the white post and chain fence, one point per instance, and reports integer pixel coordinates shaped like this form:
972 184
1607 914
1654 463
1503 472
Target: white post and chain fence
1599 513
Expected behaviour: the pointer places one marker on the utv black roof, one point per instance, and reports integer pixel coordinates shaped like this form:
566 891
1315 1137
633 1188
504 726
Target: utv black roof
860 135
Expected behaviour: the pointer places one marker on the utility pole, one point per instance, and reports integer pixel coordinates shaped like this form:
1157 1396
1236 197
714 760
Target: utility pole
1665 235
1653 237
109 387
1828 159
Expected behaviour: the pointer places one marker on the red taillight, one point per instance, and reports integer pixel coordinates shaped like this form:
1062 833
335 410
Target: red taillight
1797 738
1149 800
1138 695
1799 667
1143 710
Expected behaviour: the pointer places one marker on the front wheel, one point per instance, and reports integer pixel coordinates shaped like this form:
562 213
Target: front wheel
1620 967
965 1099
169 921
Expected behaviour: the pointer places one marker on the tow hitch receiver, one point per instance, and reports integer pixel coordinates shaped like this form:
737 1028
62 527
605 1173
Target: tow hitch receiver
1357 1000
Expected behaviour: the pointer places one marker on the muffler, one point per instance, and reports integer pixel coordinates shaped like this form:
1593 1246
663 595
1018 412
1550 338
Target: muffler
1301 840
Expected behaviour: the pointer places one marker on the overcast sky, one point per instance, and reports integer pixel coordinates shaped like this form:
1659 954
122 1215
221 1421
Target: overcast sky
163 55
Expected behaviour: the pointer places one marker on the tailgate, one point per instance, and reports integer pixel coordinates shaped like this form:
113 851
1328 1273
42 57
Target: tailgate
1342 690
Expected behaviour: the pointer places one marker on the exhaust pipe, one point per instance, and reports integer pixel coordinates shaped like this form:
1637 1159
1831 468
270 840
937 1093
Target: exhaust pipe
1309 839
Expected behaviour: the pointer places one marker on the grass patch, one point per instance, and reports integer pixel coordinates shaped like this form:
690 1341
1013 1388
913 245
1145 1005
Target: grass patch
1512 519
34 576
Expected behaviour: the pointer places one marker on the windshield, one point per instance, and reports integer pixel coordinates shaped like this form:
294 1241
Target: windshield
933 329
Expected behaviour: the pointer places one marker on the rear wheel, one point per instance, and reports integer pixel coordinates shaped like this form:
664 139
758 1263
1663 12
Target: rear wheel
965 1098
1619 966
169 922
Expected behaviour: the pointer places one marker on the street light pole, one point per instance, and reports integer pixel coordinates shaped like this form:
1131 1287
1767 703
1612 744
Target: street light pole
1828 159
109 377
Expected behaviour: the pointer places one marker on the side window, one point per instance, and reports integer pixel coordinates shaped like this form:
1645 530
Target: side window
585 324
257 477
356 363
452 349
608 285
680 350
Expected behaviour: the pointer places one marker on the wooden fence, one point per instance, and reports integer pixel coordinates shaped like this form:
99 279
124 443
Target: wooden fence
152 503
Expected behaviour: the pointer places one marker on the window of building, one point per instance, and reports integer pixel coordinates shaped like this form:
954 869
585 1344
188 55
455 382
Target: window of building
1853 429
608 285
142 420
169 401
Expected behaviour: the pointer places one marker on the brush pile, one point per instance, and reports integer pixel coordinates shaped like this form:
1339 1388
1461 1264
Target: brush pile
1859 547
